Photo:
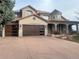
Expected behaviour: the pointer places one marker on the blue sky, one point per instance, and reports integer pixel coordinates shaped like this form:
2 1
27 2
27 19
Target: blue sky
67 7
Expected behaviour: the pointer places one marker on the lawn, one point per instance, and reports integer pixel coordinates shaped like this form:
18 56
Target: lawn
76 38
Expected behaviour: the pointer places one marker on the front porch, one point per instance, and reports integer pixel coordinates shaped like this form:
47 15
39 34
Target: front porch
58 28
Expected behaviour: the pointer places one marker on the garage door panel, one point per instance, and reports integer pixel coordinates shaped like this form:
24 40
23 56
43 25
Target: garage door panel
11 30
32 30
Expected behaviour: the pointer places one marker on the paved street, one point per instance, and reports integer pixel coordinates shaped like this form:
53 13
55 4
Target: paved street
38 48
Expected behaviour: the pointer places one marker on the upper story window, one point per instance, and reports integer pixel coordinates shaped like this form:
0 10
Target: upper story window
53 17
29 12
56 17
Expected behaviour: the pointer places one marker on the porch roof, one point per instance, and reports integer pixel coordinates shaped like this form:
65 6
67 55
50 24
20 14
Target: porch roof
63 22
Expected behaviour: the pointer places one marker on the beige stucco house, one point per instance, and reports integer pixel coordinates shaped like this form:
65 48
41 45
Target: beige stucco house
32 22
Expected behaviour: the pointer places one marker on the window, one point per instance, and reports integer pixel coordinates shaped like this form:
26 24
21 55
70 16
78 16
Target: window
29 12
45 17
41 31
57 17
53 17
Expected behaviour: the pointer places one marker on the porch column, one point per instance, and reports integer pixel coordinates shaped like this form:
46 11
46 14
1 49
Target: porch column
46 30
3 31
67 28
55 27
20 30
77 28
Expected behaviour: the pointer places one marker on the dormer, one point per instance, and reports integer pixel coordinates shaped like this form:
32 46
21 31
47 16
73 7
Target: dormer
55 15
28 10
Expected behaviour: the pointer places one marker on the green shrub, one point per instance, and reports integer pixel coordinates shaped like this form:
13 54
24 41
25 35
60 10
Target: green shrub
56 32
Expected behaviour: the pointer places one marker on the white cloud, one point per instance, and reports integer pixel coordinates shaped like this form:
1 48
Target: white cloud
68 7
70 14
46 5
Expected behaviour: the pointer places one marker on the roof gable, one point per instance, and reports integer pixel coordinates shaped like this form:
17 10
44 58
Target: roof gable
64 19
33 20
29 6
56 12
35 16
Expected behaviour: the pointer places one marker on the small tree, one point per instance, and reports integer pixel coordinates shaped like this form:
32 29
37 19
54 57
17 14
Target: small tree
6 12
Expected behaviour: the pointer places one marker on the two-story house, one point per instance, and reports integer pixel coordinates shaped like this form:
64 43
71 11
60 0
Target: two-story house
32 22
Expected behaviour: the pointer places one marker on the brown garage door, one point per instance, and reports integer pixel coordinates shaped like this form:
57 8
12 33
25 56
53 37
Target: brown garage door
33 30
11 30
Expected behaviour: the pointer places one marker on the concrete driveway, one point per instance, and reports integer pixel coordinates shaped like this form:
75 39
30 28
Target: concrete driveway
38 48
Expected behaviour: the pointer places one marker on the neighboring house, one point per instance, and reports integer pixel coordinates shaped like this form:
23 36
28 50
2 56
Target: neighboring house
32 22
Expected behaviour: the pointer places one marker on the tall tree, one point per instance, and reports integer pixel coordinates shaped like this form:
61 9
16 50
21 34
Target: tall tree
6 11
